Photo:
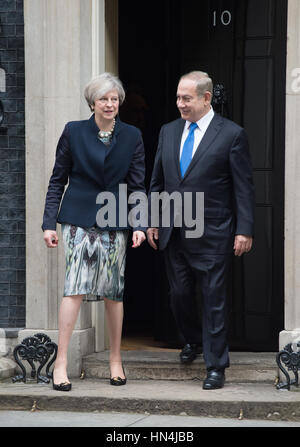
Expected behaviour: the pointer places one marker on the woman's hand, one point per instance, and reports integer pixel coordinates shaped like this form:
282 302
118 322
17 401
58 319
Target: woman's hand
138 238
50 238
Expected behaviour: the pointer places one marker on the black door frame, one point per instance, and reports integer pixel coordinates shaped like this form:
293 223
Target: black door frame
153 297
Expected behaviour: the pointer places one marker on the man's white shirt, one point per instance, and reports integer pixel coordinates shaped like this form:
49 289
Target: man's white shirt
199 132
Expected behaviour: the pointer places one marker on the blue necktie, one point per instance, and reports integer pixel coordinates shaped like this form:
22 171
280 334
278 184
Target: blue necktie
187 150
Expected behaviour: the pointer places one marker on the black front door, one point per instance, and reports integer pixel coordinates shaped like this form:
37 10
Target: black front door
241 44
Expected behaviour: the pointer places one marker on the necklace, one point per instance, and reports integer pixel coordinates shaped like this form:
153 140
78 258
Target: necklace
106 135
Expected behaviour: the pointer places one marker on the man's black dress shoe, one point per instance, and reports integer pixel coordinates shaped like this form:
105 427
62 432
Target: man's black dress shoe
189 353
214 380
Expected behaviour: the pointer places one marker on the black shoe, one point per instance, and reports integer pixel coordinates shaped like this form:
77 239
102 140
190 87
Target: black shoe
214 380
117 381
65 386
189 353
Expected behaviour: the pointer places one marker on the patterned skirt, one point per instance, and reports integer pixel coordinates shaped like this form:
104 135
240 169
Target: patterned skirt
95 262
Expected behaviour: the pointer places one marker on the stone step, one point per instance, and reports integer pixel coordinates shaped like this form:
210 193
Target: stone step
235 400
245 367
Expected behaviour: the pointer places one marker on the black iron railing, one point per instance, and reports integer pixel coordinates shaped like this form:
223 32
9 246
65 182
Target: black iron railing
37 348
287 360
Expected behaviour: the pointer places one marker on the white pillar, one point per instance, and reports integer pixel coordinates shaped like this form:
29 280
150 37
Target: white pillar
98 66
292 180
60 38
104 58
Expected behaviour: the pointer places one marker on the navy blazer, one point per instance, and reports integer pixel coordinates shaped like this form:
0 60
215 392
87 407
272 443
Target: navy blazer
221 169
92 167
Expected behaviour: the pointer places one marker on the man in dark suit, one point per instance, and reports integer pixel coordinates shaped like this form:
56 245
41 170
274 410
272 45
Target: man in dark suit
203 152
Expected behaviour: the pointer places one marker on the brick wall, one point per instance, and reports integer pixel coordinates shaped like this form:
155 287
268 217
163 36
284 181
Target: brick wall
12 167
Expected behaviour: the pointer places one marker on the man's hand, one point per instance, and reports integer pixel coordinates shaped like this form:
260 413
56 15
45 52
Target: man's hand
138 238
152 233
242 244
50 238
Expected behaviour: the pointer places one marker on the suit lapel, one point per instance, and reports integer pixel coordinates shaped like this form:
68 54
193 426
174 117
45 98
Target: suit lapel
210 134
119 125
176 144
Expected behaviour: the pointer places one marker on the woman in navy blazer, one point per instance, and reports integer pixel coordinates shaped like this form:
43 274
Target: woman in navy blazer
95 156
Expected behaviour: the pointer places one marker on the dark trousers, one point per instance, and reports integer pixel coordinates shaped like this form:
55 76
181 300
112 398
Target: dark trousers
184 269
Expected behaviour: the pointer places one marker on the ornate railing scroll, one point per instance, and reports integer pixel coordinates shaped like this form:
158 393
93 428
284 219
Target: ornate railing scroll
37 348
289 360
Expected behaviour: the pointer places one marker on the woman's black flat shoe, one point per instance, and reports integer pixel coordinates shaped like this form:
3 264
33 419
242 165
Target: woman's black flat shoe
65 386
